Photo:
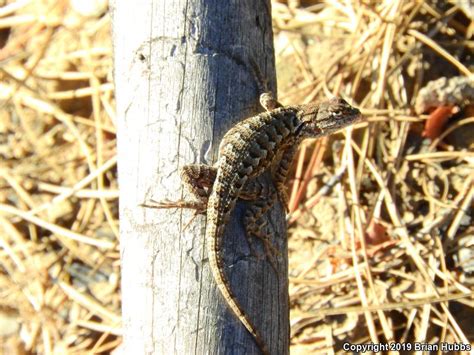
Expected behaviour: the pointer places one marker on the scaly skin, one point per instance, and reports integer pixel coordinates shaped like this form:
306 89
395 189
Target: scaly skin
265 141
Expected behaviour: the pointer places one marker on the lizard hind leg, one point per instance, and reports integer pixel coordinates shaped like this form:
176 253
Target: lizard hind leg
255 223
198 179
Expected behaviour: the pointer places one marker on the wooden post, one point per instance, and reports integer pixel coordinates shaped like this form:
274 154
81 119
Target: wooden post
183 77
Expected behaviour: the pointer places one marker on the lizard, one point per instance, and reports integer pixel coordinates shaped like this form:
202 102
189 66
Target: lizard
268 140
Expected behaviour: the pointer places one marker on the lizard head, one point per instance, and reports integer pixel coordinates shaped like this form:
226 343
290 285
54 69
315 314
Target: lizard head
326 117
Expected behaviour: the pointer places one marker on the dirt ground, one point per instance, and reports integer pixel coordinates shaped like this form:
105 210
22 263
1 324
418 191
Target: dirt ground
381 245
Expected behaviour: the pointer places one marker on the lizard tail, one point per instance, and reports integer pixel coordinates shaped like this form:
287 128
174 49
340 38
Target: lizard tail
214 233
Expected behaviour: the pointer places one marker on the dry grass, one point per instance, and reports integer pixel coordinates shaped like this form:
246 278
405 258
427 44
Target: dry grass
381 218
58 185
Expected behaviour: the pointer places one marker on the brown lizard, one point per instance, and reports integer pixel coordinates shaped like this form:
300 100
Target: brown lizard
266 141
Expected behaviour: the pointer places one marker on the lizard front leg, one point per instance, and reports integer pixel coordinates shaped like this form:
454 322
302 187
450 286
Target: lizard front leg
269 102
280 172
254 218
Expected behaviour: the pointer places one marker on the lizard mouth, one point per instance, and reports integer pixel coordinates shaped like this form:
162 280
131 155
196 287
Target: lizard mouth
339 120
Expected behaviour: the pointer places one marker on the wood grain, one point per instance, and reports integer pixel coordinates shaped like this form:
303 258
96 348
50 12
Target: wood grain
181 84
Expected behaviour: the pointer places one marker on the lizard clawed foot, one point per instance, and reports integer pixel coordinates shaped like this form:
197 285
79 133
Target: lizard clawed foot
196 213
271 253
199 206
268 102
255 223
250 243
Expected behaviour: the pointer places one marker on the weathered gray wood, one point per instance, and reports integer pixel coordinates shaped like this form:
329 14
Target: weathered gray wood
180 85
